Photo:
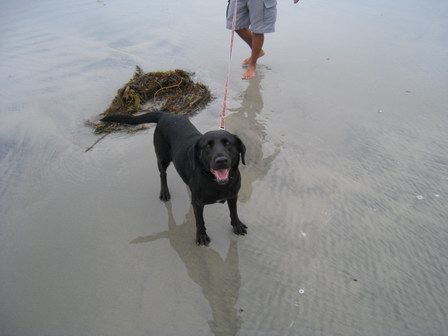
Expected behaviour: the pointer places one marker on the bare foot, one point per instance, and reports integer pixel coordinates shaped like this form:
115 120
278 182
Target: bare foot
247 60
250 72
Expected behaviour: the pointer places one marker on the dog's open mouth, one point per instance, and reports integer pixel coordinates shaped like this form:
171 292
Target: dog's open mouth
221 175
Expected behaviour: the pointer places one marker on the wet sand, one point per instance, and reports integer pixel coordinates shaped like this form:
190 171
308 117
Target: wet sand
345 189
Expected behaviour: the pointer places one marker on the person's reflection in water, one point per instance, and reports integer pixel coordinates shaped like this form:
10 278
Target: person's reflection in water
248 122
219 279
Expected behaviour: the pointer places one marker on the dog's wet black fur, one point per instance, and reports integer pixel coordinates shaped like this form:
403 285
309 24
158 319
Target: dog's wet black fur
207 163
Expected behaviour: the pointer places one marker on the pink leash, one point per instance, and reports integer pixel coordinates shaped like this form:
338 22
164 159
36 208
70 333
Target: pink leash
226 87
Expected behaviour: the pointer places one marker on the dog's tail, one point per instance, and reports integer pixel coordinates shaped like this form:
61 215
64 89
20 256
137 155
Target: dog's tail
151 117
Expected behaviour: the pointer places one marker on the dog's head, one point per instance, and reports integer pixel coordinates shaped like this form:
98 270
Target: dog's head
218 152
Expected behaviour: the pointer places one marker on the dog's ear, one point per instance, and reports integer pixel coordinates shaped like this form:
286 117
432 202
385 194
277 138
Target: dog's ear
241 149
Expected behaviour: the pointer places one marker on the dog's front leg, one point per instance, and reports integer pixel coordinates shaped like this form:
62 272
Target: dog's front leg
238 227
201 235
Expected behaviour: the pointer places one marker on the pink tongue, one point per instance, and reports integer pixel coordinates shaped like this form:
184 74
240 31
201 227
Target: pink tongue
221 174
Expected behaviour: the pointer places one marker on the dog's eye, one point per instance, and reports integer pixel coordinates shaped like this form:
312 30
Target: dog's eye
209 144
226 142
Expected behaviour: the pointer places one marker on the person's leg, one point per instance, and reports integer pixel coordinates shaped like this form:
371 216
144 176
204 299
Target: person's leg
262 16
247 36
257 48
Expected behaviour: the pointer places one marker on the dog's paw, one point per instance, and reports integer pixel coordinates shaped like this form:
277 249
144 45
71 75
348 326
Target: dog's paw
239 229
164 195
202 239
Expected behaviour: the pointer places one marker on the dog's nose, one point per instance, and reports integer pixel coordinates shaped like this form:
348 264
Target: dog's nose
221 161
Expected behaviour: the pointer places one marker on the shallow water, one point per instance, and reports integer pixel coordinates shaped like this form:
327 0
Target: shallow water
345 189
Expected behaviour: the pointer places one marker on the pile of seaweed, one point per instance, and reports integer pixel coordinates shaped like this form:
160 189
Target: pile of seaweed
171 91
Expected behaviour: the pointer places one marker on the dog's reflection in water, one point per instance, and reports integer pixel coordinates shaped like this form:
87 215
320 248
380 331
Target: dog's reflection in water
218 278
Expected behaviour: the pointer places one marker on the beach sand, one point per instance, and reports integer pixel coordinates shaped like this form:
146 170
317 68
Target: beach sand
345 191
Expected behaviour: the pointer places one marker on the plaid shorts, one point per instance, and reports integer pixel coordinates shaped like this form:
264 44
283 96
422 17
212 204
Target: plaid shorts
258 15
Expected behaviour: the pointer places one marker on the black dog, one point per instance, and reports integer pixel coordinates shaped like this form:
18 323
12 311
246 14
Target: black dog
207 163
